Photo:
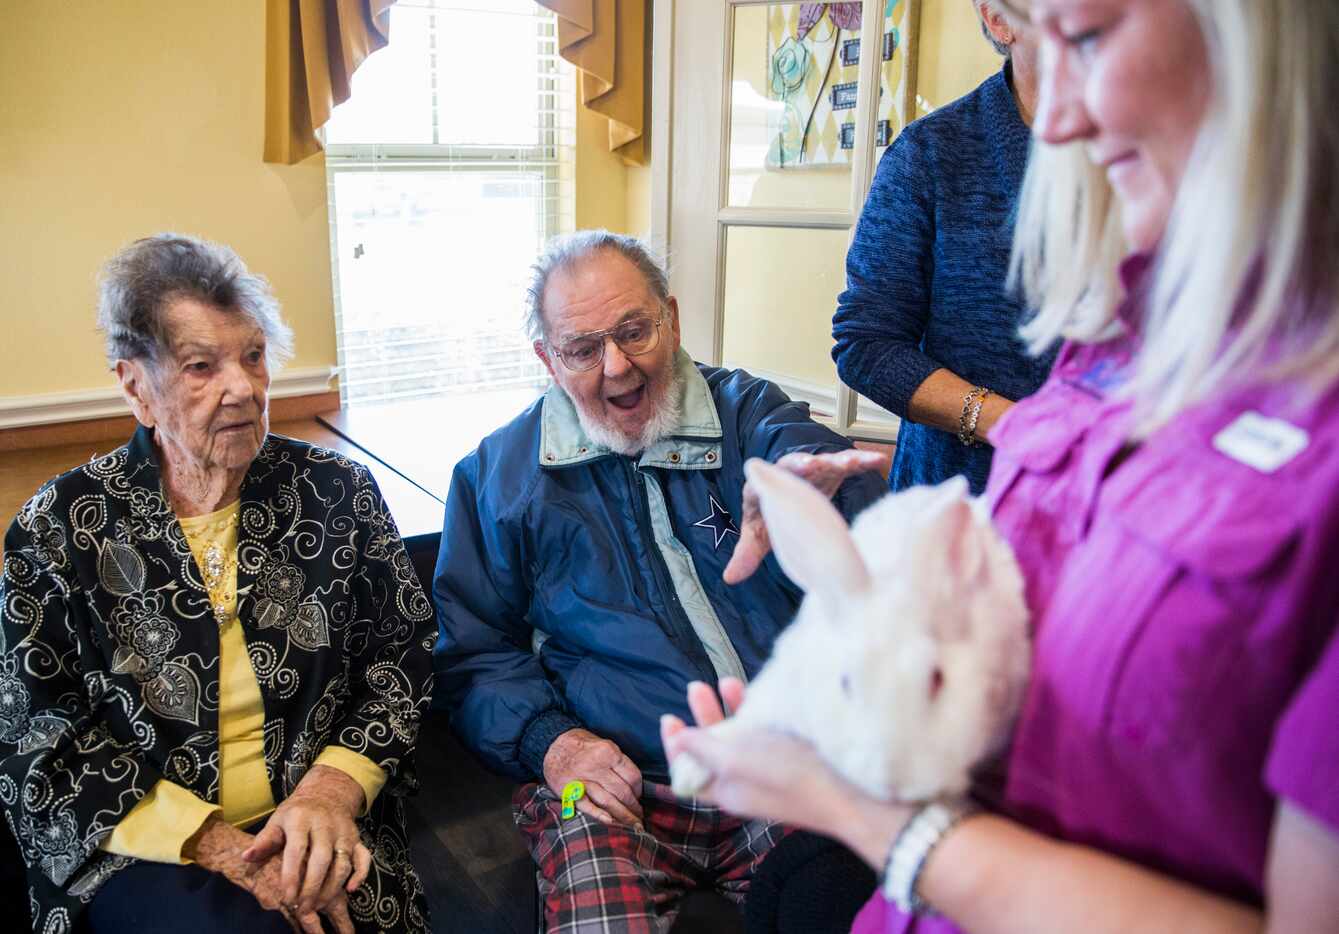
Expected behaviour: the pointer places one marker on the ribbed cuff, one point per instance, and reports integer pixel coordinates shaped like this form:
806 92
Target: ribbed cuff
539 736
370 776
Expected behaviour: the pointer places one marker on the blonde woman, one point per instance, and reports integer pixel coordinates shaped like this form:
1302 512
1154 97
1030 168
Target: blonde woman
1173 495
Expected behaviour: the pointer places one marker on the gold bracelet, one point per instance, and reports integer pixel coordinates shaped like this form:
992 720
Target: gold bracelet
971 414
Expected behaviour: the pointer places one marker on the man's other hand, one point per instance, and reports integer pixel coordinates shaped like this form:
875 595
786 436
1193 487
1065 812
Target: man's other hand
613 783
825 471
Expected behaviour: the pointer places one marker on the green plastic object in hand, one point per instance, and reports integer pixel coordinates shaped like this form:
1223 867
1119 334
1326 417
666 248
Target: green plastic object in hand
572 793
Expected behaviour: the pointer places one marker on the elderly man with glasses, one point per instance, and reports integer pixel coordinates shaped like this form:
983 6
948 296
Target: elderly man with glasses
585 579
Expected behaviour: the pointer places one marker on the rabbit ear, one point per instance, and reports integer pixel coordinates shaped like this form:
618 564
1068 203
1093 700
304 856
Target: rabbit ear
952 526
809 536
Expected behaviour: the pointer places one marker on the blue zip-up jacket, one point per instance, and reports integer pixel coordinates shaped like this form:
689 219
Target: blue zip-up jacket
559 605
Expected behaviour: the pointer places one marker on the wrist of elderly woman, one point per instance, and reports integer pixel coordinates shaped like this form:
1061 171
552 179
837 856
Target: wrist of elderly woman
370 776
159 825
217 846
332 786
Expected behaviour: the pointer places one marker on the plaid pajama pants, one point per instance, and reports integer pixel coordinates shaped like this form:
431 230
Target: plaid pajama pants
611 880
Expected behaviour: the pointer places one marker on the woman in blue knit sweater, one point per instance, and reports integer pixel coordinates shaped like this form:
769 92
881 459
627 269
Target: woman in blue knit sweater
925 326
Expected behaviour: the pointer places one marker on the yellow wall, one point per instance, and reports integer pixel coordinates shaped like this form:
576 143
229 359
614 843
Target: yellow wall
601 177
121 119
639 201
609 193
954 56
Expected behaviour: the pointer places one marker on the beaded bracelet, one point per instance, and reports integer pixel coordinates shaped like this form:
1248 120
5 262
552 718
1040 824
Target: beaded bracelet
911 851
971 414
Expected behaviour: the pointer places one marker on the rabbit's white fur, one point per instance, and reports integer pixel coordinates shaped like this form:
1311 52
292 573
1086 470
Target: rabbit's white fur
920 583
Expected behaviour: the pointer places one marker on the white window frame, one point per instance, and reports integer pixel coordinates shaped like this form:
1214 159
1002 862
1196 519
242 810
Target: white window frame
554 153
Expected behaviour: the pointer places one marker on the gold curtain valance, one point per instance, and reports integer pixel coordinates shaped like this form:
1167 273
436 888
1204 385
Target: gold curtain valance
606 40
312 49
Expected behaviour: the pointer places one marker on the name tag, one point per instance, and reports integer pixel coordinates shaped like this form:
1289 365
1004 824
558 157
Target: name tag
1261 442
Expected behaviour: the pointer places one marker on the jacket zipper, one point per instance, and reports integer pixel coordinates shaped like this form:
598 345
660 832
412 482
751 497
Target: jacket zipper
682 631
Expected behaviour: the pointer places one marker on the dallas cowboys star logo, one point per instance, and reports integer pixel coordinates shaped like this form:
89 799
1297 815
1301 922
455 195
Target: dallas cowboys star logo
719 522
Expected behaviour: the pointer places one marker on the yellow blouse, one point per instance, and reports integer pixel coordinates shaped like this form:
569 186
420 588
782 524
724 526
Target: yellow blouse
159 825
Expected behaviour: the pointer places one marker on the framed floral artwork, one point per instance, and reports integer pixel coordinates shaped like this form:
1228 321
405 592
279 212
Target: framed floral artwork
813 56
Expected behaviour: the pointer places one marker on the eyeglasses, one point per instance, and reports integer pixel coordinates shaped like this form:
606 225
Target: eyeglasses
634 337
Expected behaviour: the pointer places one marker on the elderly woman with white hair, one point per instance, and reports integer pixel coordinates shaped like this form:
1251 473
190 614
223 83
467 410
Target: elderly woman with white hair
1172 495
213 655
926 327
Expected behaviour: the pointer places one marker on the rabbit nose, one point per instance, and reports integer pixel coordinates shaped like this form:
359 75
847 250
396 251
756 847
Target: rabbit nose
936 682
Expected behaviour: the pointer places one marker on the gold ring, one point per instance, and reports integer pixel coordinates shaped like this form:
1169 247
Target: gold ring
341 854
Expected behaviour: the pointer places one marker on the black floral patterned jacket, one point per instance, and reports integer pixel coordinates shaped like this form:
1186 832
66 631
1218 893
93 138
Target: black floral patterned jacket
109 660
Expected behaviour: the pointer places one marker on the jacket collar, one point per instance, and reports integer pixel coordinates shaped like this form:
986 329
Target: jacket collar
694 444
153 513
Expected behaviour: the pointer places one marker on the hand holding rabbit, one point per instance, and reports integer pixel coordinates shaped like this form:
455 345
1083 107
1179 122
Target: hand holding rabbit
764 773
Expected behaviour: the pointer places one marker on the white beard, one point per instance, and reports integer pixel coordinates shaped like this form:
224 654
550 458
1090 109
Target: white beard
664 419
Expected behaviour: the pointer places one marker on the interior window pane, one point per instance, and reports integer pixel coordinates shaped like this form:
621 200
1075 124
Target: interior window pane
441 198
795 71
431 274
790 277
487 99
455 73
393 91
897 79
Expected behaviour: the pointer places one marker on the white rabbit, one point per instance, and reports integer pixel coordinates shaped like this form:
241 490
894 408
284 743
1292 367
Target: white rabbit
906 663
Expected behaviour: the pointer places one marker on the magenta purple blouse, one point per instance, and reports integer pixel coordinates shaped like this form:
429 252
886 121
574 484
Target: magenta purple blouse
1185 604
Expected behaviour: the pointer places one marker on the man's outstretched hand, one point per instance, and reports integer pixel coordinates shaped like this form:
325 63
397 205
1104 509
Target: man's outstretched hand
825 471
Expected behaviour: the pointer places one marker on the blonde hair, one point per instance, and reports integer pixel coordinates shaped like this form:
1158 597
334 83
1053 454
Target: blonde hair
1245 287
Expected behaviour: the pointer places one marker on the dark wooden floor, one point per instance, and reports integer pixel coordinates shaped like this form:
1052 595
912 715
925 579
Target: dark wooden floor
476 871
478 876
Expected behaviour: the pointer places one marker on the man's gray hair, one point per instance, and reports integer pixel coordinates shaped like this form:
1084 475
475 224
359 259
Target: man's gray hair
140 283
985 30
565 251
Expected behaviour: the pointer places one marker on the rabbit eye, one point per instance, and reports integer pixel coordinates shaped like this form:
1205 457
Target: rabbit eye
846 685
936 682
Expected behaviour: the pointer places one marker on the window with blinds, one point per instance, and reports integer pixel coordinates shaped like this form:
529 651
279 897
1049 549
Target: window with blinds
448 168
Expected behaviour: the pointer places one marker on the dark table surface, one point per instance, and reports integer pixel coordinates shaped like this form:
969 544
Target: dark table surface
424 439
